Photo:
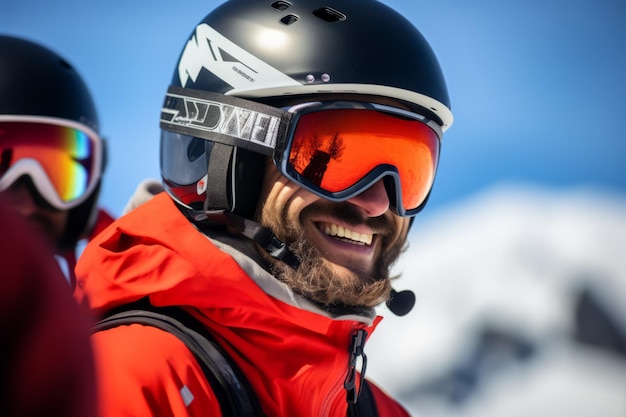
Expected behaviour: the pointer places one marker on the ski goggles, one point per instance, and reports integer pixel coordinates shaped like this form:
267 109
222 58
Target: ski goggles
338 150
335 149
62 158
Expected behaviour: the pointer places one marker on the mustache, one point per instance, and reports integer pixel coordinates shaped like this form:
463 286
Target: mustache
351 215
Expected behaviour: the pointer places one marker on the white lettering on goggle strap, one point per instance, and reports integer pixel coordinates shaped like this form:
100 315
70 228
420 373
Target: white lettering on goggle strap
209 49
199 115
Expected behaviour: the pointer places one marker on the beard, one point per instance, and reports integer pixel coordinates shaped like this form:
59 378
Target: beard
318 279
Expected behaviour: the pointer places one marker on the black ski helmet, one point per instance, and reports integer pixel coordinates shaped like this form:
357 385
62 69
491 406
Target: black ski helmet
278 52
35 81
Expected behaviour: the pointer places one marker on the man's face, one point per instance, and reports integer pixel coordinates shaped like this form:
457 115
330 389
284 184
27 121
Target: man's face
346 248
50 223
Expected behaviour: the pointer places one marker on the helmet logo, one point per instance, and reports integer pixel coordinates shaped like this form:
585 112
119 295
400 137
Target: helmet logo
243 71
202 185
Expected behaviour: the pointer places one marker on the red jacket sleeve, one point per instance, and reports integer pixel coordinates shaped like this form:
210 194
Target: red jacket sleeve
144 371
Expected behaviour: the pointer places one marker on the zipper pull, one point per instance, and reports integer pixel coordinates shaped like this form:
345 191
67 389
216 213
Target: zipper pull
356 349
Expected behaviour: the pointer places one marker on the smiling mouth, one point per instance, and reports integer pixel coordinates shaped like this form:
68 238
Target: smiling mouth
346 235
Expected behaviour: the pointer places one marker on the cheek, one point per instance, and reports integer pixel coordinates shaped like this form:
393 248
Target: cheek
402 230
60 220
292 200
281 193
404 224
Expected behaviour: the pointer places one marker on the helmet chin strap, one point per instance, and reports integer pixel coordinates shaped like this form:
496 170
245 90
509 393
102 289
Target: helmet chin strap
276 248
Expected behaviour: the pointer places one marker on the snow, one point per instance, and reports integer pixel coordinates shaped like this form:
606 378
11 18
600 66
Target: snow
516 259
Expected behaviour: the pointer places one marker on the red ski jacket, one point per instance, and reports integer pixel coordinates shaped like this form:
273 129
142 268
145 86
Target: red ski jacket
294 354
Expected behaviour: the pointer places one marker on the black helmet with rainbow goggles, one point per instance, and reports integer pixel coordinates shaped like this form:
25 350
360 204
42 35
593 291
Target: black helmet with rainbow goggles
49 132
62 158
340 93
335 149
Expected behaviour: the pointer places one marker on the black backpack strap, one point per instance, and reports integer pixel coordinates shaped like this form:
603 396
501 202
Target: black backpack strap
365 405
235 396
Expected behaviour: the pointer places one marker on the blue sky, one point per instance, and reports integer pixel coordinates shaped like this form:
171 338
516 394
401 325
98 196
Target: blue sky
537 87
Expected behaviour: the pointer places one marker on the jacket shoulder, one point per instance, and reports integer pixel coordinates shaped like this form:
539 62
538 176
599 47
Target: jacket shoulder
145 371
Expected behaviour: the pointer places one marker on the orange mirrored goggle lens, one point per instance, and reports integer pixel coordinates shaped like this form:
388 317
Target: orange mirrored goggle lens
66 154
338 152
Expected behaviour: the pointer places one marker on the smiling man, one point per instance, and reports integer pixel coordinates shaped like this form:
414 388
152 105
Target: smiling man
296 145
345 248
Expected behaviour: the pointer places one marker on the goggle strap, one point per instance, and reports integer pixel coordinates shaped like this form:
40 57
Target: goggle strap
218 172
225 119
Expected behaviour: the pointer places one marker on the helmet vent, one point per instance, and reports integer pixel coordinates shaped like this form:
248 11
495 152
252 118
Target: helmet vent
280 5
329 15
289 19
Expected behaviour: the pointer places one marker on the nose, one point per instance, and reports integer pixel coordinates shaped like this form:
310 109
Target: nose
374 200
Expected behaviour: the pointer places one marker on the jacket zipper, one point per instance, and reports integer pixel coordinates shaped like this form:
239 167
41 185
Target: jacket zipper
356 350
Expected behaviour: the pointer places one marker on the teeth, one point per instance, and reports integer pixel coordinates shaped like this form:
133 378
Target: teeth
342 232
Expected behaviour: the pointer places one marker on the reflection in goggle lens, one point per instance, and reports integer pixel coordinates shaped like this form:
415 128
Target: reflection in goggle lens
334 150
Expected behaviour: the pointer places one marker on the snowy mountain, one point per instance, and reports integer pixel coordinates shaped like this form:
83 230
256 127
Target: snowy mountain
520 308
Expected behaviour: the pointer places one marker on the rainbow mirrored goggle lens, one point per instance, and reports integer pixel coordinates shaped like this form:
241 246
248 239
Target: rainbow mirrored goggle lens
338 153
62 158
